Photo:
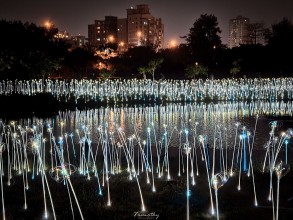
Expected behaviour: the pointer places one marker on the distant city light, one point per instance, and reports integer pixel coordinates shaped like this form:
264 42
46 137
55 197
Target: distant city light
111 38
48 24
172 44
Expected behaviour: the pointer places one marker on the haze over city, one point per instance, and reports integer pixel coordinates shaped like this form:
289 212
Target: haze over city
177 16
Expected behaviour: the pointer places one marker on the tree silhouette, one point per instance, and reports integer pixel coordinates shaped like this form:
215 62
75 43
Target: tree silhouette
143 71
280 46
192 71
29 51
235 68
79 62
257 33
151 67
204 38
281 34
105 73
128 63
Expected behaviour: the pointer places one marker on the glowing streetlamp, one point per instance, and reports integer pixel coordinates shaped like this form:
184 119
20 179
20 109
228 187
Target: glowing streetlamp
121 44
138 38
109 44
172 44
111 39
48 24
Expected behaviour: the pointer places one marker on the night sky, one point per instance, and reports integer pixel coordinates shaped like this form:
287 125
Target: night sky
178 16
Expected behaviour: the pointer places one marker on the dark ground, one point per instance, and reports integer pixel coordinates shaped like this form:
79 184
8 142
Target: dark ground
169 200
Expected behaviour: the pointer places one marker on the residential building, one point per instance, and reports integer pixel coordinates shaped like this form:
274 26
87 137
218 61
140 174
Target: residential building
77 41
73 41
239 32
140 28
64 35
143 28
122 35
103 32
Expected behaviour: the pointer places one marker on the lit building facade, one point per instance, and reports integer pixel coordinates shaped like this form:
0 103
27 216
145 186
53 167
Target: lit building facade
77 41
143 28
73 41
239 32
122 37
103 31
140 28
64 35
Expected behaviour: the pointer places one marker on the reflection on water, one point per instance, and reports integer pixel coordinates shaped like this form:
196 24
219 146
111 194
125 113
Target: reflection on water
219 138
204 119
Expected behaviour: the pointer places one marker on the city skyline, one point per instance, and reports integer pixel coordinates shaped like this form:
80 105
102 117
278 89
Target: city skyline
178 17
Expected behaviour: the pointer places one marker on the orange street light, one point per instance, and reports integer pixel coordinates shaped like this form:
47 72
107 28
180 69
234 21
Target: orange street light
111 38
173 43
139 38
48 24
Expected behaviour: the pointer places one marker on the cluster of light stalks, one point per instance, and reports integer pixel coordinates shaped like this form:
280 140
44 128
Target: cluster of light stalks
170 90
143 145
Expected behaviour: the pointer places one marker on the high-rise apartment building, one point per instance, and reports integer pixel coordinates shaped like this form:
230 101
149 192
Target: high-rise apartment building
103 32
143 28
239 32
140 28
77 41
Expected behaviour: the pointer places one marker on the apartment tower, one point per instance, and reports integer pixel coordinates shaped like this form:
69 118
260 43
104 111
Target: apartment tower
140 28
103 32
239 32
143 28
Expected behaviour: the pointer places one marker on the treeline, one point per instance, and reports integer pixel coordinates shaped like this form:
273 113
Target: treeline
29 51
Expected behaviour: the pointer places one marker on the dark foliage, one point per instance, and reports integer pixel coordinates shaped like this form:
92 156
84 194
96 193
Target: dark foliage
80 63
127 64
29 51
203 39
